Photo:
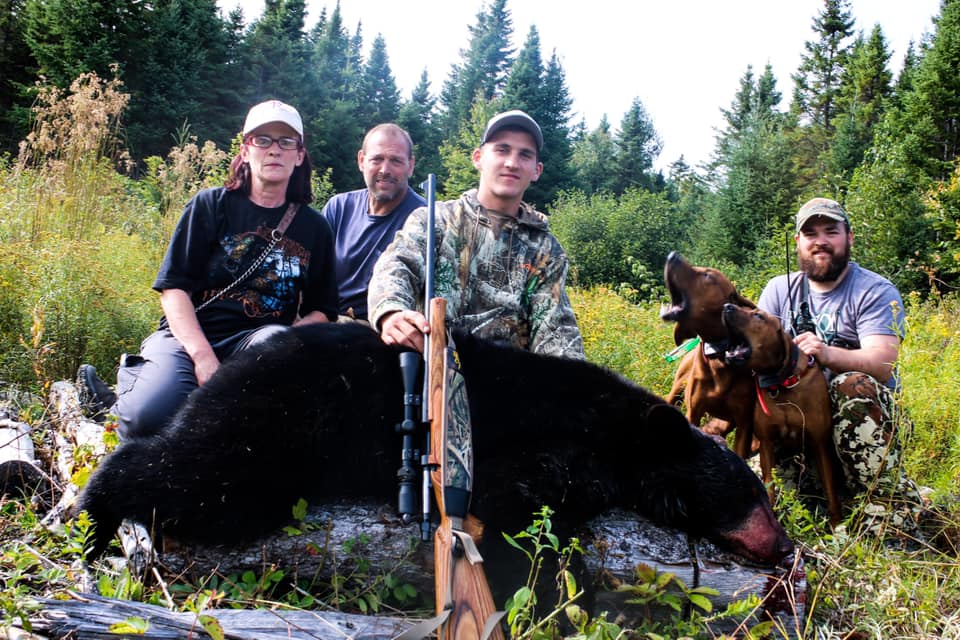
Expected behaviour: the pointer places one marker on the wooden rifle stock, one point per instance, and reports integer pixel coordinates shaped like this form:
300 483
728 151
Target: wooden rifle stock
461 584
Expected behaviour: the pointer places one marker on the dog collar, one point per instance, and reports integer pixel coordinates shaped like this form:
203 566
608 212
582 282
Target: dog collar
786 376
713 350
781 380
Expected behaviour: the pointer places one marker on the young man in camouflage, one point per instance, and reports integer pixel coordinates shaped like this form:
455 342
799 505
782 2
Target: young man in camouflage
498 266
858 324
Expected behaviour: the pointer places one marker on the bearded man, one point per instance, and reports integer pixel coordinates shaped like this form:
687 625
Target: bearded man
851 321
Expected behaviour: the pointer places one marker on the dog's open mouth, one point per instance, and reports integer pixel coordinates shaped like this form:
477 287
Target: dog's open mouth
678 302
675 310
738 348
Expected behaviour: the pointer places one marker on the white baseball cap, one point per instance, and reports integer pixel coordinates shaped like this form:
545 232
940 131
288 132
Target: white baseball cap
273 111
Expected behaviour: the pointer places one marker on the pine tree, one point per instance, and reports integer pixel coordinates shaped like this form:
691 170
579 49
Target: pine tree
483 68
278 54
333 120
864 92
544 96
17 69
637 147
932 109
379 97
417 117
70 37
754 100
817 81
593 160
755 197
182 79
817 85
554 120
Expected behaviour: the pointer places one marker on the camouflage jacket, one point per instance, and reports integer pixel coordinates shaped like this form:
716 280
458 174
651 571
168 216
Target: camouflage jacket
503 277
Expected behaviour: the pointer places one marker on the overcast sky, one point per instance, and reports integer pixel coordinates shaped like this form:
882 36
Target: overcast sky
682 58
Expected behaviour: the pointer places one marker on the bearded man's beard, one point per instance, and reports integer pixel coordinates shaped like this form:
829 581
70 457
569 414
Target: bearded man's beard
830 271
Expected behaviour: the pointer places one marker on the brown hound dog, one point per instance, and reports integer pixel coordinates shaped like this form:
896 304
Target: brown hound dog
792 411
707 384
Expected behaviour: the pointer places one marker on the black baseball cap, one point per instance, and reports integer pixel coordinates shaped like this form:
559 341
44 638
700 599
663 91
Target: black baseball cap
514 118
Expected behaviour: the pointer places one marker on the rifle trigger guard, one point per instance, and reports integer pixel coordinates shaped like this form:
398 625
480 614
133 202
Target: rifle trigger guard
469 546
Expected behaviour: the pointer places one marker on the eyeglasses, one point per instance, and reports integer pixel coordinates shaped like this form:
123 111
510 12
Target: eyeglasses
264 142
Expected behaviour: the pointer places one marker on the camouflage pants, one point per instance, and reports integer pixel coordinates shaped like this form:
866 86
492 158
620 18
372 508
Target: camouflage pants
867 433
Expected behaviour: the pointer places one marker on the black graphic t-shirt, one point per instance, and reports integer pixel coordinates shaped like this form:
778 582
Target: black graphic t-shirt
220 234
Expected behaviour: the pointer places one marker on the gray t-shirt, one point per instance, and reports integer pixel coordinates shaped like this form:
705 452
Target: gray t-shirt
863 304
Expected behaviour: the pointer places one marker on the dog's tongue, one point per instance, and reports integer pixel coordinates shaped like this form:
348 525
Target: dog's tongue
737 354
669 311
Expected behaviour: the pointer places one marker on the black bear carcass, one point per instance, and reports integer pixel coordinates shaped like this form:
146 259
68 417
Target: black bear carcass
311 414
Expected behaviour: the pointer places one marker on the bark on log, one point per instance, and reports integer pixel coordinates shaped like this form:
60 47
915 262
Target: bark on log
616 543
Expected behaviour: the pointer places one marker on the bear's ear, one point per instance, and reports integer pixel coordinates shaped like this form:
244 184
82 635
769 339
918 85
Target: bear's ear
669 425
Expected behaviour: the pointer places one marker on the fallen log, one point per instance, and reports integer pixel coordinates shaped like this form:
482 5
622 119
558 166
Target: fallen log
21 473
91 617
336 540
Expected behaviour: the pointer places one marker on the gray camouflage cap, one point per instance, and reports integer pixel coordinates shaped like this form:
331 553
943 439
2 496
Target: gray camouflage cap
821 207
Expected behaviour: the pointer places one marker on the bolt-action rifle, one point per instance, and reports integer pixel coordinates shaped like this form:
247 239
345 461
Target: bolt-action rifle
465 608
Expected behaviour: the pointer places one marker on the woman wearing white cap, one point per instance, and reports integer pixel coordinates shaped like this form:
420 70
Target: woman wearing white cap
246 260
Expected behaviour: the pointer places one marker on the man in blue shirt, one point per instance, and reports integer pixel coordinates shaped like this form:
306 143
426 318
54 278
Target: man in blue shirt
364 221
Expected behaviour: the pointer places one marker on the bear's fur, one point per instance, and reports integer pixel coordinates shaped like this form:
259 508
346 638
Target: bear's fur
311 413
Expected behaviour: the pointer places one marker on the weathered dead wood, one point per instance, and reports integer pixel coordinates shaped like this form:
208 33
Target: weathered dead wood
20 471
73 437
88 617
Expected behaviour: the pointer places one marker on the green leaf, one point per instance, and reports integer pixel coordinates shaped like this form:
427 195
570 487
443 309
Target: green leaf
212 626
570 583
700 601
762 630
134 625
300 510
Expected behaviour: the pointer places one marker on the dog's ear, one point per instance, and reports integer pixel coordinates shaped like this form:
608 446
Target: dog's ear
740 301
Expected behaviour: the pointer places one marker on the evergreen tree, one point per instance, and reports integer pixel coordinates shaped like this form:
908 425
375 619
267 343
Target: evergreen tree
379 97
17 69
593 160
755 199
817 85
906 232
457 154
932 109
70 37
817 81
182 78
637 147
483 68
554 120
543 95
864 92
333 120
754 100
417 117
278 54
523 84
